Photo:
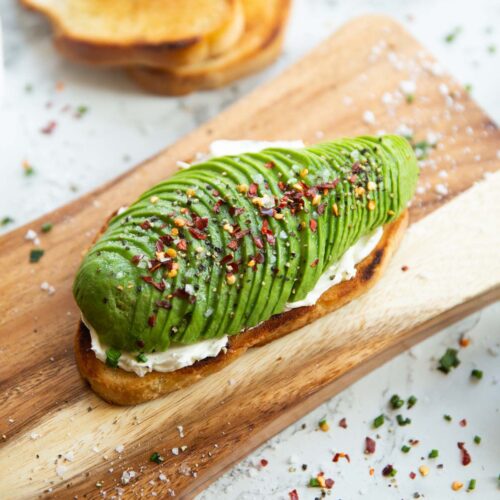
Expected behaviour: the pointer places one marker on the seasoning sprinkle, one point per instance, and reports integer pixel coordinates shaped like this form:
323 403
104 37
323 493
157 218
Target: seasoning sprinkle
448 361
477 374
36 254
378 421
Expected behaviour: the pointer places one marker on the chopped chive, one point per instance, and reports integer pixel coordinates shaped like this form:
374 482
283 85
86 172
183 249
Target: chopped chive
6 220
81 110
492 49
447 418
448 361
405 448
450 37
47 227
468 88
112 357
36 254
403 421
141 358
412 401
433 454
156 457
396 402
313 483
477 374
410 98
472 485
477 439
393 472
377 422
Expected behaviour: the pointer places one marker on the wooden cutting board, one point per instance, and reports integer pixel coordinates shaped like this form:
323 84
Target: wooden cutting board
59 438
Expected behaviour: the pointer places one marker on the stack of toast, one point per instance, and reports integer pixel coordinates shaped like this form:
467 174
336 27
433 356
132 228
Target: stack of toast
169 46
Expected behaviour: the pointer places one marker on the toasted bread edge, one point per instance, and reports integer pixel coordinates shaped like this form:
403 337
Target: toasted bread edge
124 388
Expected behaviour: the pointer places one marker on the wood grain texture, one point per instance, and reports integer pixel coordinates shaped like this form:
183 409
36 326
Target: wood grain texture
451 251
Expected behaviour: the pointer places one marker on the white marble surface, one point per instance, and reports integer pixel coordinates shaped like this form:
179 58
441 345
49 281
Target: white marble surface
123 126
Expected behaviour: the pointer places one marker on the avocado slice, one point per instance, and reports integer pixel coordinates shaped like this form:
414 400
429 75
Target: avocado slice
223 245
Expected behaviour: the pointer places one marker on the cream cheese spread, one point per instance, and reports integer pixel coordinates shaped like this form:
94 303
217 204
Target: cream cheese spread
178 355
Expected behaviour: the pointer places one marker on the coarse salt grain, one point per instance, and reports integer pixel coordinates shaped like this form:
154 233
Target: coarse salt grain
119 448
180 429
441 189
369 117
408 87
34 435
46 287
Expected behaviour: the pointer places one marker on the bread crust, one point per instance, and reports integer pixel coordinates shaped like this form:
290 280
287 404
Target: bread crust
125 388
260 44
160 53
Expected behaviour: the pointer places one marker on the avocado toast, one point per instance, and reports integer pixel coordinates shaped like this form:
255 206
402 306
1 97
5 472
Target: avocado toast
228 252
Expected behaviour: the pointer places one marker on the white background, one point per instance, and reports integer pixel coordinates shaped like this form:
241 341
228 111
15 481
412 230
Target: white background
124 126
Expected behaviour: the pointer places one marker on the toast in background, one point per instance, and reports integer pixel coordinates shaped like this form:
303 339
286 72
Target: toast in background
158 33
261 43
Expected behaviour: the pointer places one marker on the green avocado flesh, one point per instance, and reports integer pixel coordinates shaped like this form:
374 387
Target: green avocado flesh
227 243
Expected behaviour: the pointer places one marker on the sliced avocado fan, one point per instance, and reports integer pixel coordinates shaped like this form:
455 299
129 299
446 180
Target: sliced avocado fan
225 244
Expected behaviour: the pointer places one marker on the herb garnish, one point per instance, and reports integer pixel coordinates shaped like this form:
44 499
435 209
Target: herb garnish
156 457
477 439
412 401
28 169
112 357
377 422
36 254
450 37
433 454
472 485
448 361
47 227
6 220
447 418
141 358
477 374
396 402
402 420
405 448
81 110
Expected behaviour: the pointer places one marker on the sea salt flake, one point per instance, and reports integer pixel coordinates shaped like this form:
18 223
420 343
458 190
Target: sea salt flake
69 456
30 235
175 451
441 189
127 476
408 87
34 435
61 470
180 429
369 117
119 448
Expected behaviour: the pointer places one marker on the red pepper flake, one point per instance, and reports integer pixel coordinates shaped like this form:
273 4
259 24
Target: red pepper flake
356 168
217 206
321 209
463 422
201 222
293 495
343 423
164 304
466 459
145 225
49 128
314 263
252 189
412 475
464 341
195 233
152 320
352 179
340 455
182 294
263 462
259 258
159 286
329 482
136 259
167 239
233 245
215 192
269 164
159 245
233 267
404 268
258 242
313 225
370 445
270 239
328 185
227 258
182 245
387 470
241 233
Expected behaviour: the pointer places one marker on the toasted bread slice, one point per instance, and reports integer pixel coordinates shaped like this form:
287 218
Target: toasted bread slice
124 388
158 33
259 45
